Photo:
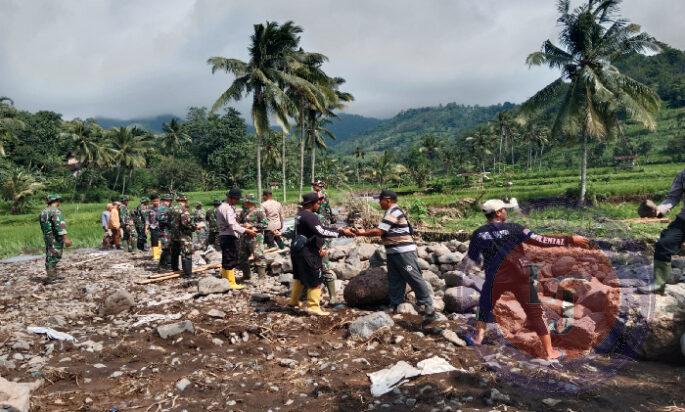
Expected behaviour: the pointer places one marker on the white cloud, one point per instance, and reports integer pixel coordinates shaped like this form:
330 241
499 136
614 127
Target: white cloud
132 58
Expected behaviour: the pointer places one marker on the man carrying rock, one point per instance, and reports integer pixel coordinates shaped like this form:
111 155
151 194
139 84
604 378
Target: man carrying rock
229 230
212 226
671 238
274 213
153 225
403 266
307 252
182 228
500 244
54 229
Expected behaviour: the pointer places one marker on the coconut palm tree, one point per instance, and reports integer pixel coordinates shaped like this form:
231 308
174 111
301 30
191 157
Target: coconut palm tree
9 123
591 91
174 136
481 144
359 154
18 186
266 75
130 145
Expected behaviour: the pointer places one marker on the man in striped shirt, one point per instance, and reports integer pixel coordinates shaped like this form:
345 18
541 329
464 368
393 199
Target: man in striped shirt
403 267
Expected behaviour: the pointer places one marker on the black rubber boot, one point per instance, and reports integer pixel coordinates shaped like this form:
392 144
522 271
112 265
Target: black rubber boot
245 268
164 259
187 265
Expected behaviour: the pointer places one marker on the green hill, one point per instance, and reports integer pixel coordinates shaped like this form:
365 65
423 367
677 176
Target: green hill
408 126
152 124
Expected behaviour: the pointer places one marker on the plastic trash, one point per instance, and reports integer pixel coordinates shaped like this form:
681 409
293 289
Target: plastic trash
50 333
385 380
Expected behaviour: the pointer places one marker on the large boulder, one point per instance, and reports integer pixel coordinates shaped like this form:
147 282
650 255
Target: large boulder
348 269
117 302
366 250
364 327
209 285
450 258
175 329
460 299
368 289
658 336
438 249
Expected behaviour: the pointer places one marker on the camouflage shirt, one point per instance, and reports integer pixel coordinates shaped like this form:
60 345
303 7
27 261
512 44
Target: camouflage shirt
210 217
151 217
140 215
52 223
254 217
124 215
325 209
162 217
180 222
199 217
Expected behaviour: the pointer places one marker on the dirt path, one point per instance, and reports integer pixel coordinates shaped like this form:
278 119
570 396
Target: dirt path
262 356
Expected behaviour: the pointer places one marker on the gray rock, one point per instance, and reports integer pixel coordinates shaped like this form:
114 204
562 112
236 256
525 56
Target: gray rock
212 256
423 265
287 363
365 251
175 329
209 285
460 299
21 345
216 313
379 258
454 278
496 397
452 337
287 265
117 302
678 263
285 278
433 280
450 258
438 249
406 308
183 384
261 297
438 303
15 396
366 326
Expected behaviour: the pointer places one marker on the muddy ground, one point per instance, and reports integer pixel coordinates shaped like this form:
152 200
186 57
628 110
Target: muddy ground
263 356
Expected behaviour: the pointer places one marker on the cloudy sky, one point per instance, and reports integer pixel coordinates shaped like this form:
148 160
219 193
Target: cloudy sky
131 58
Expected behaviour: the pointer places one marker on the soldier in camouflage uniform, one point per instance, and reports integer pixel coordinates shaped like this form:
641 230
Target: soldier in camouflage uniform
127 224
212 226
153 225
140 222
325 209
254 218
162 217
200 235
54 229
182 228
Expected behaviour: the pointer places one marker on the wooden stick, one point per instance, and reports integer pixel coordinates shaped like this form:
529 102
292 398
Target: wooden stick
173 275
647 220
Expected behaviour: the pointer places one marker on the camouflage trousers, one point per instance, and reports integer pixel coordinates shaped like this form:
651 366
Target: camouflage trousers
53 253
213 239
251 247
182 247
130 236
142 237
200 237
165 238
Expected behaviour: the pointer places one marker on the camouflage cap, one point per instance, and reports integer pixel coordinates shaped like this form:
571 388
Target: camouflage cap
53 197
167 196
250 198
198 204
123 198
216 202
319 183
144 199
182 197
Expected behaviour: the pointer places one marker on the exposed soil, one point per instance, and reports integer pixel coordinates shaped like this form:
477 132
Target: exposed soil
235 362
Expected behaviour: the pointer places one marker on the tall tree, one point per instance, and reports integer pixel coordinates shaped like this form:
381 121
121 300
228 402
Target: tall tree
265 76
129 146
592 92
174 137
18 186
359 154
9 123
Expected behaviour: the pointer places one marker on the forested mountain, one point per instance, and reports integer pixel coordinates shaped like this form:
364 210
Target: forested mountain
665 72
409 126
151 124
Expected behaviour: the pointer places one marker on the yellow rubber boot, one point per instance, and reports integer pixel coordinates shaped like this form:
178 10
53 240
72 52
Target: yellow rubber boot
156 253
313 302
230 275
295 292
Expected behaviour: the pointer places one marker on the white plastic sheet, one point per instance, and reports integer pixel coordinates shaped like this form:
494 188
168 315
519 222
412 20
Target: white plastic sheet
385 380
51 333
154 317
